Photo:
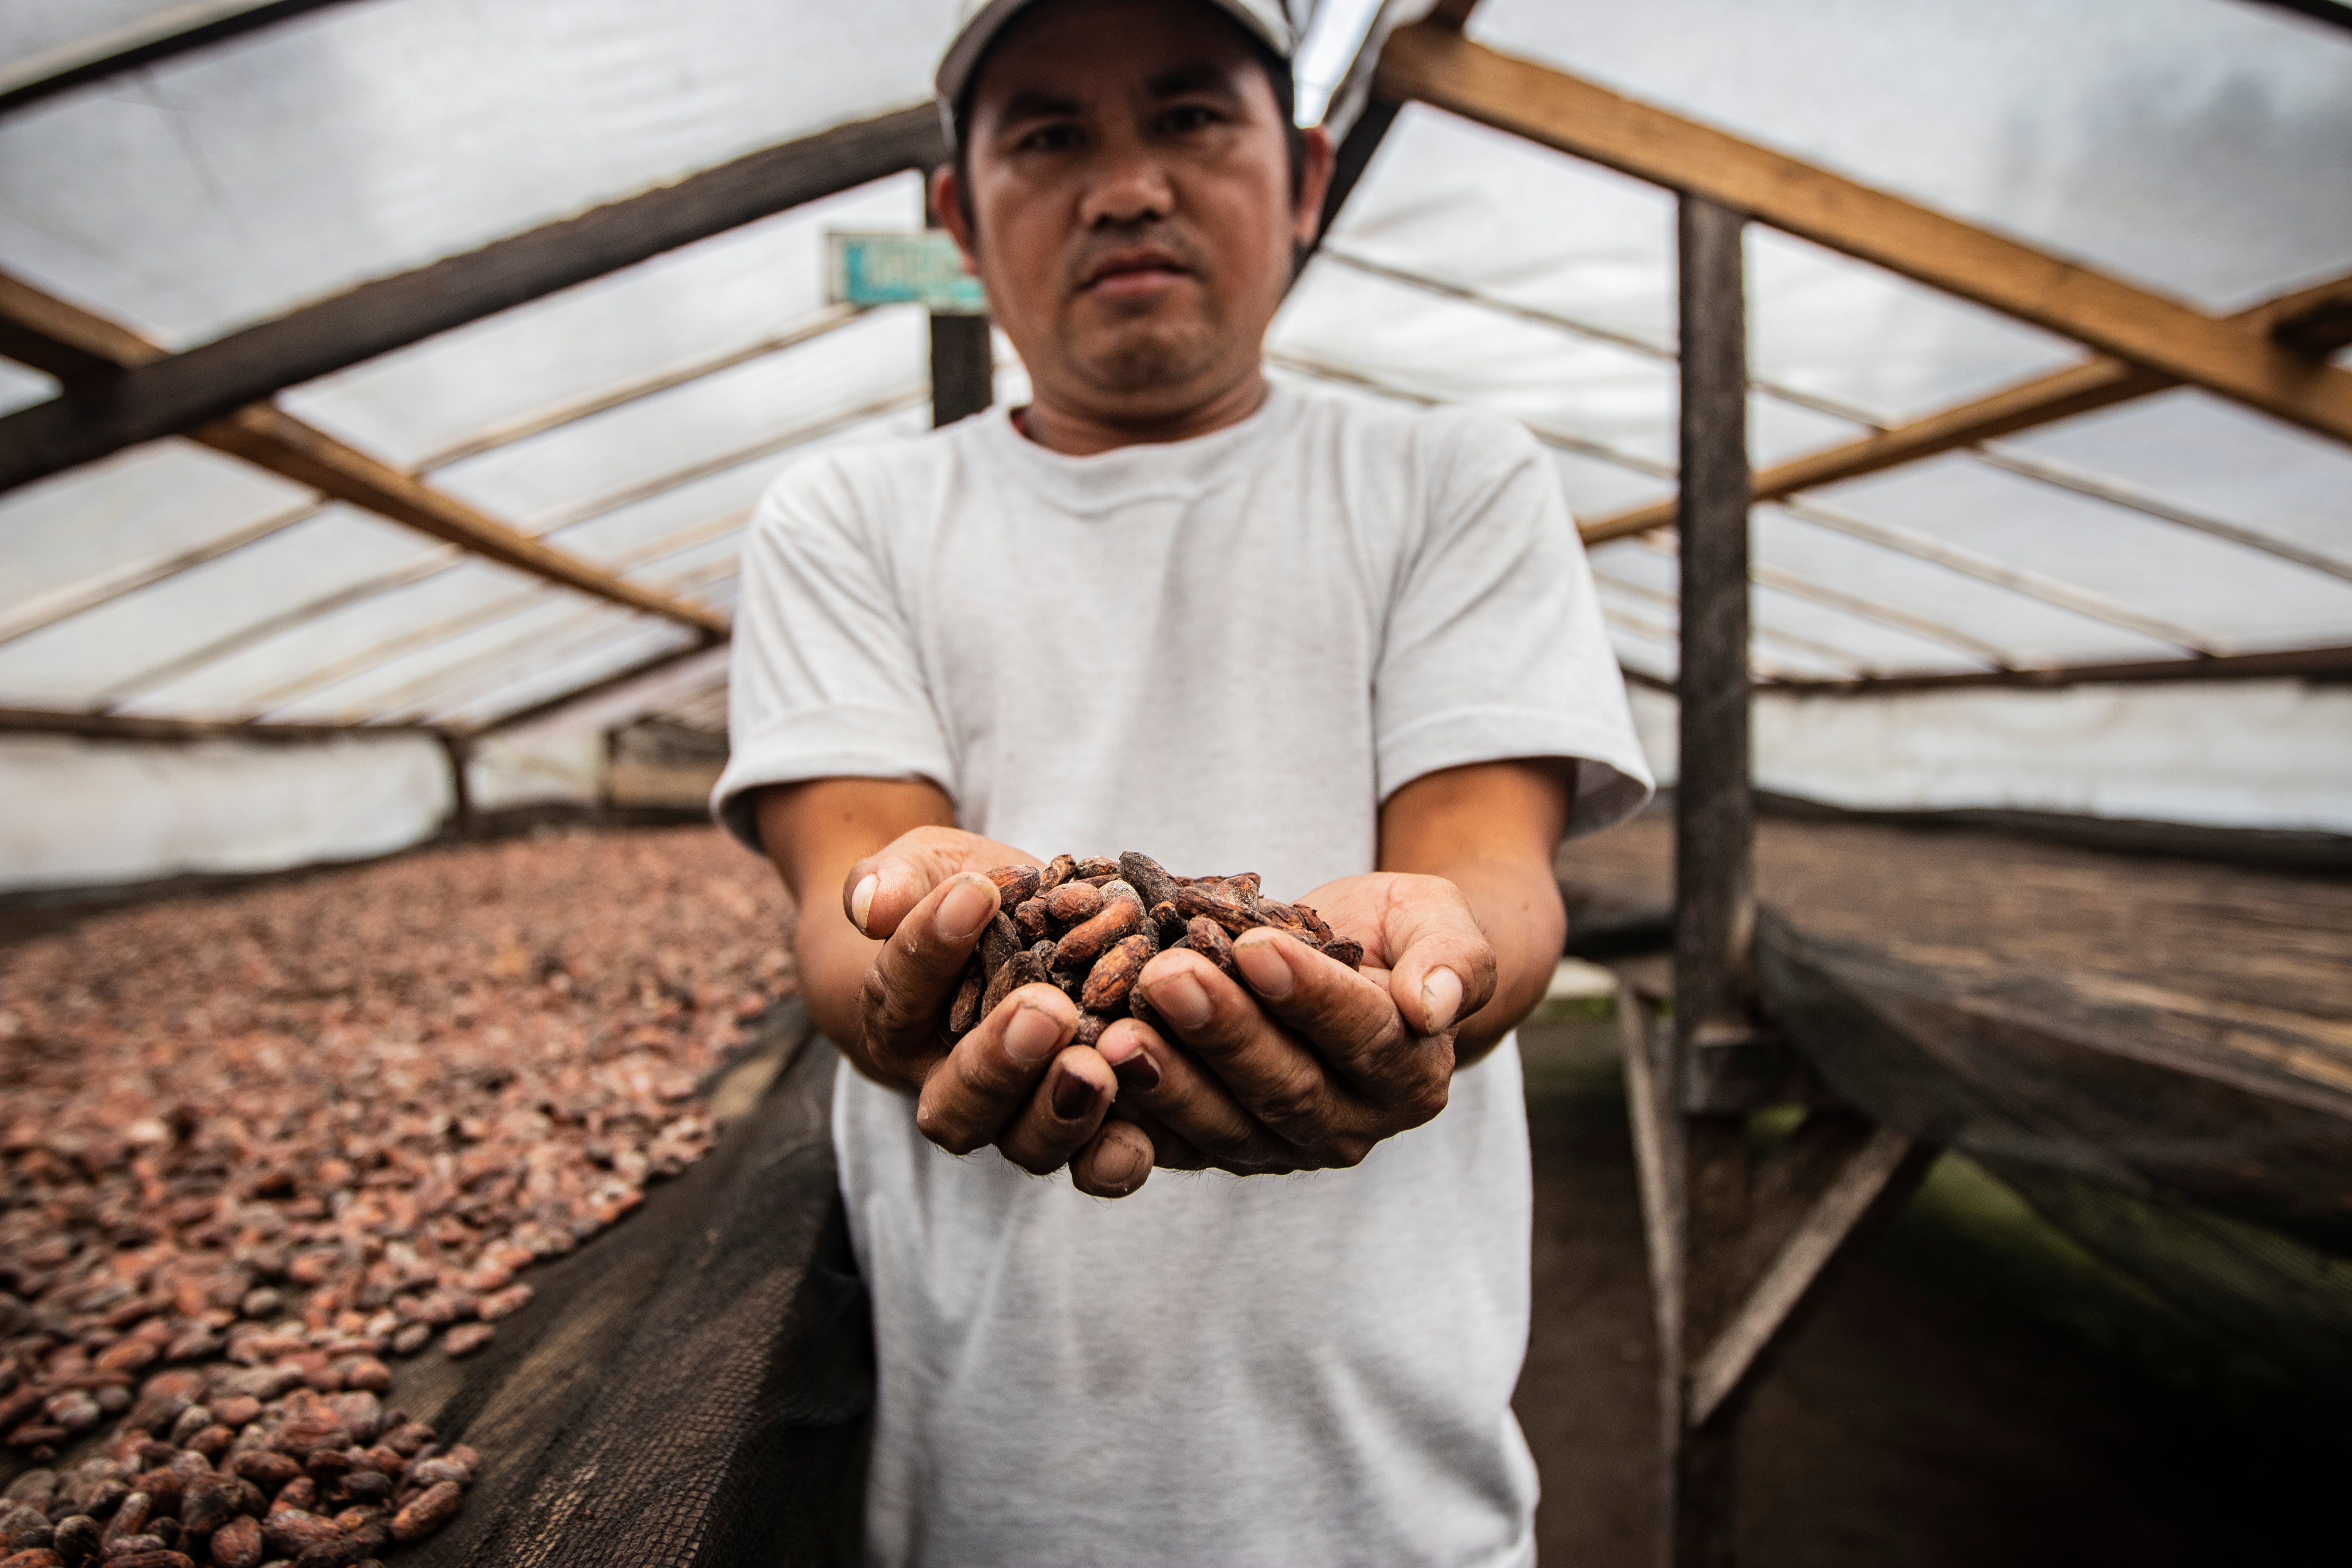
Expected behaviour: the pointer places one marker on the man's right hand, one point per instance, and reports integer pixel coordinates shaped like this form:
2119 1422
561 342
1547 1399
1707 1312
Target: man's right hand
881 965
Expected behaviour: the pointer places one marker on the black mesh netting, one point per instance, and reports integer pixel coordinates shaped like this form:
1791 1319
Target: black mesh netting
693 1387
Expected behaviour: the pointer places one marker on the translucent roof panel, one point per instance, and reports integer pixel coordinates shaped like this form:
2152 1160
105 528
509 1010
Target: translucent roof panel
2196 146
371 138
729 292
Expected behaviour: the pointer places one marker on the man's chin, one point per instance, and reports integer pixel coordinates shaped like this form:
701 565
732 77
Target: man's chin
1147 365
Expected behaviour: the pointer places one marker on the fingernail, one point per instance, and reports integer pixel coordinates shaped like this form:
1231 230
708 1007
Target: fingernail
1441 994
1131 1169
1265 969
1073 1096
968 907
1180 999
1137 1072
1032 1036
861 899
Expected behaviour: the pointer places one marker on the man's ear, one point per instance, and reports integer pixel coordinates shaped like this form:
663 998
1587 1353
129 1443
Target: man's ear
1314 181
947 206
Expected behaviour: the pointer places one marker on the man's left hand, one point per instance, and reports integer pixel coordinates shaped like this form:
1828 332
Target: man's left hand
1304 1064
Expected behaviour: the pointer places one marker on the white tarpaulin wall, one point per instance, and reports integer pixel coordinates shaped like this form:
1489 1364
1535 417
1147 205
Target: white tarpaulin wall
2195 147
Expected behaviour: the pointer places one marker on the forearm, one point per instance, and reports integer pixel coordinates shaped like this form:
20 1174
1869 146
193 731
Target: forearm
1492 830
814 833
1518 908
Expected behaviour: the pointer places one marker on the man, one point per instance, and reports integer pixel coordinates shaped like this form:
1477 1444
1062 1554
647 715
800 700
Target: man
1167 607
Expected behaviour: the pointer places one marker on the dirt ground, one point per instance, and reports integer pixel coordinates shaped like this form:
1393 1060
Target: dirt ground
1968 1389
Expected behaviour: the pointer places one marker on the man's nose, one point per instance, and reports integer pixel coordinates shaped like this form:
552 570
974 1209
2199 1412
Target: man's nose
1129 186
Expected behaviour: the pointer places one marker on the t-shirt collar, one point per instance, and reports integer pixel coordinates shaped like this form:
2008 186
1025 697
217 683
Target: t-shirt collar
1157 471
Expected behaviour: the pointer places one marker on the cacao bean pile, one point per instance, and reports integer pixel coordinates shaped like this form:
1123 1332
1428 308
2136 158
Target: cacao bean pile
311 1480
1089 927
254 1145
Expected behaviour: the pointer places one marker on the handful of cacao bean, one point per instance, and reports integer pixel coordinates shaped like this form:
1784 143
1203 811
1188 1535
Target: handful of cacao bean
1089 927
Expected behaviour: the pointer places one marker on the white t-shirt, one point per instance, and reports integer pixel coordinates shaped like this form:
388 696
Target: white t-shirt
1224 653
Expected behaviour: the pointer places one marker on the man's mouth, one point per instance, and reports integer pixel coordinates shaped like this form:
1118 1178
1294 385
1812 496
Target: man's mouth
1140 269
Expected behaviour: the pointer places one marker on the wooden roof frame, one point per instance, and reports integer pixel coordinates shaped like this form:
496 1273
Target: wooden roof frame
149 41
178 392
121 390
1439 67
79 348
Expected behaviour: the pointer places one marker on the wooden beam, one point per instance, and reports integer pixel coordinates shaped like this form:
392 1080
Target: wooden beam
268 437
159 38
2065 595
326 677
2333 13
68 341
132 727
2115 492
1588 331
184 391
2283 664
2308 319
1868 1176
1442 68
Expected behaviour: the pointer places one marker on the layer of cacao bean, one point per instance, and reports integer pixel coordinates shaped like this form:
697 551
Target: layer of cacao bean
253 1146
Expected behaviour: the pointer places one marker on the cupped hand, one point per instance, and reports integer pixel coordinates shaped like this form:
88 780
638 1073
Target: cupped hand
1015 1080
1296 1062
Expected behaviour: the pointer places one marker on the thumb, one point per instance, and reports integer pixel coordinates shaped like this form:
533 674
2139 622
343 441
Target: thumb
881 890
1444 968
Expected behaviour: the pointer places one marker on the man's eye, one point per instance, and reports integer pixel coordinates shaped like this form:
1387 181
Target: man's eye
1050 139
1189 117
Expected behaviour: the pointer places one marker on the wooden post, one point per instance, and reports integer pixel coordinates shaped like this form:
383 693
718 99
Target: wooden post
964 358
1715 900
963 369
1738 1245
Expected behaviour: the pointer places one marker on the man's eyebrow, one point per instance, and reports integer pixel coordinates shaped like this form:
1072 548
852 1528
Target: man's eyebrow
1195 77
1034 104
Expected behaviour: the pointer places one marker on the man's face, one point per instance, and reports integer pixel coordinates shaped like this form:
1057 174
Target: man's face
1130 193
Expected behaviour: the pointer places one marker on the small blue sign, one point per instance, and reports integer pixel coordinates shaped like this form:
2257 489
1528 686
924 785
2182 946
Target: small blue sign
922 268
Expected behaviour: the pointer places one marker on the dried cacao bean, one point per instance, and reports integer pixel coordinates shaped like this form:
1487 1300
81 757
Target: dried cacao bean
427 1513
466 1338
1207 938
1014 884
130 1519
1074 902
964 1011
999 940
1086 943
1113 974
79 1538
1150 882
1057 871
1029 916
1096 866
264 1468
292 1531
1213 901
238 1544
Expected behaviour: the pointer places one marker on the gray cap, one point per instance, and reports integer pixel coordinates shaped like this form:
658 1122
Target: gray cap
978 21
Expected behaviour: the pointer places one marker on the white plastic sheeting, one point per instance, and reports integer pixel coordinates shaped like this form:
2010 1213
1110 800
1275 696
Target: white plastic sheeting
86 813
2257 753
2194 146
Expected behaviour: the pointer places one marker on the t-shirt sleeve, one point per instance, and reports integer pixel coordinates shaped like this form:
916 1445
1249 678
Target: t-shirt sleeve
1494 646
826 679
